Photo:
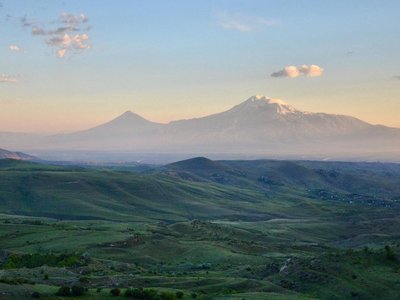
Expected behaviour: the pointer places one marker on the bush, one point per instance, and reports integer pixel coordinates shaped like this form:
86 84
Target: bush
14 260
390 255
128 292
35 295
77 290
83 279
64 291
115 292
46 277
194 295
179 294
143 294
167 296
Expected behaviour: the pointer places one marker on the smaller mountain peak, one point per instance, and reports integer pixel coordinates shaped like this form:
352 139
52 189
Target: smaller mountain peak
128 116
128 113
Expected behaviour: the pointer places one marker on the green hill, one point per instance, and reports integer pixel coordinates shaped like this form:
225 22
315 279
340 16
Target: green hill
214 229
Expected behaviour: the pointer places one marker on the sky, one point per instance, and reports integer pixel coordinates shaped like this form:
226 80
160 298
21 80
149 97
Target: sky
73 64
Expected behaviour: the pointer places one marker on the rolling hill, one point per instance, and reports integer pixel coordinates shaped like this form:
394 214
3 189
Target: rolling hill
195 188
4 154
259 229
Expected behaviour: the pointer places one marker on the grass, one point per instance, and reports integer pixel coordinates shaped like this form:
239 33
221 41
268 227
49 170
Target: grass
230 230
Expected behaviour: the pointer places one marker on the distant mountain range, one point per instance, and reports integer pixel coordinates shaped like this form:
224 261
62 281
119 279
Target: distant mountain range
258 126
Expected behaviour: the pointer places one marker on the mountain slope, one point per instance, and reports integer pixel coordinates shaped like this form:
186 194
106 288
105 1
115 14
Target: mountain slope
258 126
271 118
120 133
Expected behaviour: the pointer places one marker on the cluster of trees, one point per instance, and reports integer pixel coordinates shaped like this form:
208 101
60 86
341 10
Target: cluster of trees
75 290
14 261
148 294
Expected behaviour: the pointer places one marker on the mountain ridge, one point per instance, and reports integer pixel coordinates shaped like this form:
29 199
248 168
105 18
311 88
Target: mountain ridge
256 126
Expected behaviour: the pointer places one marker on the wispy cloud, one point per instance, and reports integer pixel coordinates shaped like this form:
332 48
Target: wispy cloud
69 34
304 70
14 48
243 22
4 78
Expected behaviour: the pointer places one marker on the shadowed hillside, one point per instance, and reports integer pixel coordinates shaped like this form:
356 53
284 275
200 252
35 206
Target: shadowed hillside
201 229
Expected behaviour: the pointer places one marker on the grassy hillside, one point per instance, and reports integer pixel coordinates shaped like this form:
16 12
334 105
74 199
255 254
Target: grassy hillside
211 230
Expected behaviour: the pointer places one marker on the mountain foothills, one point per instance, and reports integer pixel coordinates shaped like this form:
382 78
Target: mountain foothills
258 126
4 154
200 229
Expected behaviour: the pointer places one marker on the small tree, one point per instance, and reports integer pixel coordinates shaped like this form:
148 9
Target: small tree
115 292
77 290
35 295
64 291
167 296
390 253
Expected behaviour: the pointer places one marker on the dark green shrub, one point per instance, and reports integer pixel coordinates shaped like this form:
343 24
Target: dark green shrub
83 279
115 292
143 294
35 295
64 291
77 290
179 294
46 277
167 296
194 295
36 260
129 292
390 253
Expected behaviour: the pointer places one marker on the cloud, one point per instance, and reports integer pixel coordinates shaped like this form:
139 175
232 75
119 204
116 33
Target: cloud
7 79
67 35
397 77
38 31
304 70
68 42
14 48
243 22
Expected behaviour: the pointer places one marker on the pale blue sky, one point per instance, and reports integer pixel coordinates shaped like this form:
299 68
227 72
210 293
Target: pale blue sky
177 59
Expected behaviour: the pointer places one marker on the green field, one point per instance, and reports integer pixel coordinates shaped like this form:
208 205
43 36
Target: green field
211 230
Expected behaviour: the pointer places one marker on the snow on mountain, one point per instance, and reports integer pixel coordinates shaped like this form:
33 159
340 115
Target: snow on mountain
259 125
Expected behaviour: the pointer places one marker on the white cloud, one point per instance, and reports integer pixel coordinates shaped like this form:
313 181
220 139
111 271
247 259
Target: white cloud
14 48
69 34
304 70
4 78
243 22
